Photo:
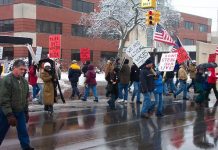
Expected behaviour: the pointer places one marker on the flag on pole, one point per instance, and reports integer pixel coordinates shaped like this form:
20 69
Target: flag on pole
161 35
182 54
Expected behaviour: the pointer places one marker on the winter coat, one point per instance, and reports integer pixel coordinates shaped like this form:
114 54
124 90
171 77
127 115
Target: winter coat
212 76
158 85
14 94
182 74
90 76
147 80
32 75
134 75
192 71
114 87
74 73
169 75
85 68
124 74
48 91
108 69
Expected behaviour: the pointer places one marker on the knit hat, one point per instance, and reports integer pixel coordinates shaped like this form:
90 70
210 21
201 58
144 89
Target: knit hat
148 61
74 61
47 64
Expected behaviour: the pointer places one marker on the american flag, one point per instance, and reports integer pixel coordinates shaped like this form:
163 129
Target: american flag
162 35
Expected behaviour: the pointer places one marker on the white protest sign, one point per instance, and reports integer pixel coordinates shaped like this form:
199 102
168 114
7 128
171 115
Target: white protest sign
167 62
38 53
138 53
1 52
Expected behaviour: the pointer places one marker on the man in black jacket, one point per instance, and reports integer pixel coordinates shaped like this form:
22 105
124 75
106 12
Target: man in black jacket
73 75
134 78
147 87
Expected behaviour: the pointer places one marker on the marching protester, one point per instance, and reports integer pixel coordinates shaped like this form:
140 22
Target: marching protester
48 91
147 87
212 84
90 83
108 69
73 75
124 76
134 78
158 94
182 76
114 80
192 72
170 86
85 67
33 81
14 104
40 84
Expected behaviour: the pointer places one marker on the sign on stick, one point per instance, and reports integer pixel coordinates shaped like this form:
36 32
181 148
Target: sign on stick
167 62
55 46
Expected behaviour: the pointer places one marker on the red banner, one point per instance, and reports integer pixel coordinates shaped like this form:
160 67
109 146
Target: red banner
55 46
84 54
182 55
212 58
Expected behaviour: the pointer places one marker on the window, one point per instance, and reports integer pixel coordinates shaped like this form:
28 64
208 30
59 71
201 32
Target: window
78 30
75 55
4 2
6 25
189 25
49 27
108 55
8 53
188 42
50 3
203 28
82 6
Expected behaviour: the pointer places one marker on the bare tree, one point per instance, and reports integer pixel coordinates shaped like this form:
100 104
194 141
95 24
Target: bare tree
117 18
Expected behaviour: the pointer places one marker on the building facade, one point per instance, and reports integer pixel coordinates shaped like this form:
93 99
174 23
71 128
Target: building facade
40 18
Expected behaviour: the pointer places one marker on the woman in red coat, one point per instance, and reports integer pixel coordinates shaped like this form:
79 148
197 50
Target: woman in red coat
212 84
33 81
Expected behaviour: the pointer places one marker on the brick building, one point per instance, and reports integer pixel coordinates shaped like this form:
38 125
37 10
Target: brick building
38 19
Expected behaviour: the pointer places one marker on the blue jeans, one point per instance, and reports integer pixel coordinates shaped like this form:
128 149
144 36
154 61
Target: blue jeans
94 91
171 84
35 90
122 87
159 102
136 91
147 104
182 87
21 128
75 89
41 86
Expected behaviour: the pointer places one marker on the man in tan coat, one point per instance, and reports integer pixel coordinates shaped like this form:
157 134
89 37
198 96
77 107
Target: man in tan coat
182 75
192 71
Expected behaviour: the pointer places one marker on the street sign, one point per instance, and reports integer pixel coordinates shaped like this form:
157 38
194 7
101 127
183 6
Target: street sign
148 3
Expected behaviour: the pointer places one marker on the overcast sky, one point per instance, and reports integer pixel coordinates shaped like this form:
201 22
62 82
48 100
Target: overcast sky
204 8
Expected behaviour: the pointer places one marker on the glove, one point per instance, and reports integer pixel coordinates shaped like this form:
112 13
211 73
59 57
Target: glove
27 116
12 120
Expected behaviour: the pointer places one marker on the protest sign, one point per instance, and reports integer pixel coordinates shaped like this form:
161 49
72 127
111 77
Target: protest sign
84 54
55 46
38 53
138 53
167 62
212 58
182 55
1 52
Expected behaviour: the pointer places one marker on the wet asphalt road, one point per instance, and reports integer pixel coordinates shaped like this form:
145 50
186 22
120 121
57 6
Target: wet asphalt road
89 125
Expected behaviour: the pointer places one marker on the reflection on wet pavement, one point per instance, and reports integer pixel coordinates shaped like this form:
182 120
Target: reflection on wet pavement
183 127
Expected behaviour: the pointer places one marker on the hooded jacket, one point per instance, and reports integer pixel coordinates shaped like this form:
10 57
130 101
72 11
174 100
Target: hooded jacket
182 73
90 76
147 80
125 74
74 73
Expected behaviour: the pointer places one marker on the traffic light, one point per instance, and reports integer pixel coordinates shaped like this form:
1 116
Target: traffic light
150 17
157 16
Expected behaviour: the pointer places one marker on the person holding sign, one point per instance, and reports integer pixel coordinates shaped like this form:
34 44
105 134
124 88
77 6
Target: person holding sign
182 75
147 87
